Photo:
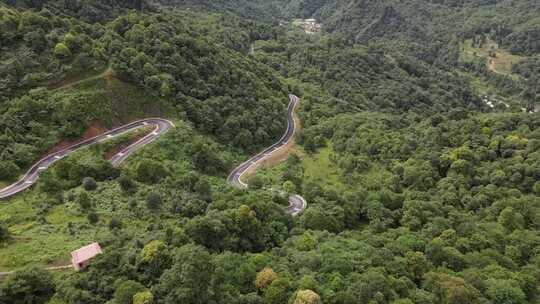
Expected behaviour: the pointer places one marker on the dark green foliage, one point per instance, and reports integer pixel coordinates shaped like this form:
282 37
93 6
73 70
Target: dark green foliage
82 168
206 157
528 68
150 171
153 201
92 217
256 183
430 196
50 183
91 11
84 201
126 183
89 184
39 48
189 278
28 286
217 88
4 234
115 224
8 170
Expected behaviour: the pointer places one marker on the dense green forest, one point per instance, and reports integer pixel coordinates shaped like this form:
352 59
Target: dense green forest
419 152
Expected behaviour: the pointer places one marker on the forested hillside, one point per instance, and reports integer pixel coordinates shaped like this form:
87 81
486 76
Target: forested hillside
513 24
204 78
417 150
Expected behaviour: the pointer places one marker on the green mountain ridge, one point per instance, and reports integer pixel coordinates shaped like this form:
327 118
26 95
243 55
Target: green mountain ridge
418 152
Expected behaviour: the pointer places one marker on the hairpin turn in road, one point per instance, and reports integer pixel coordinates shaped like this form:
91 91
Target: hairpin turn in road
161 126
297 204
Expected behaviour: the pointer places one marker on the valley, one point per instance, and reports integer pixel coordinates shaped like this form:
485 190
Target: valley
270 152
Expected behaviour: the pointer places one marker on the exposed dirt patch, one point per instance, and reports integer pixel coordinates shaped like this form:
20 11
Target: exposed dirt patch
498 60
95 129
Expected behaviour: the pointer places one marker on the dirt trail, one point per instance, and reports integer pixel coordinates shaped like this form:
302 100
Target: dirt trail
491 66
105 74
52 268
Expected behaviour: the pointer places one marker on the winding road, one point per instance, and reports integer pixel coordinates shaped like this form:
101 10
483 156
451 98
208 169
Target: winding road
160 125
297 204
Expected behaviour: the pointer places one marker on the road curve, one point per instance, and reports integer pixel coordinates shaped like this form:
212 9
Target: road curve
297 204
161 126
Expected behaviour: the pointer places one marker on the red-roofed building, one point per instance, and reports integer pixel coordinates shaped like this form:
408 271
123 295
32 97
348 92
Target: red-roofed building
82 256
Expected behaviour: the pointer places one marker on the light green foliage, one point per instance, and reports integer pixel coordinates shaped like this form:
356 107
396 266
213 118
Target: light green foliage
143 297
153 252
451 290
307 297
264 278
277 292
505 291
62 51
125 292
289 187
511 219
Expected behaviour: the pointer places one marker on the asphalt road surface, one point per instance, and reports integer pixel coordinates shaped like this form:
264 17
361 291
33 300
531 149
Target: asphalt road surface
297 204
160 127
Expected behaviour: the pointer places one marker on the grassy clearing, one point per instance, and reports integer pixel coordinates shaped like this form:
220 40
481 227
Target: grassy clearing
76 76
34 242
317 167
46 238
320 167
501 63
44 231
115 100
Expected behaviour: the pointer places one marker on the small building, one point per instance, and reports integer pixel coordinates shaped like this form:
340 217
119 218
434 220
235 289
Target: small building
82 256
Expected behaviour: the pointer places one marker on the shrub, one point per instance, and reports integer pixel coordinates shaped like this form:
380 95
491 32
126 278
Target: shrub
84 201
89 184
4 234
307 297
61 51
264 278
153 201
150 172
93 217
256 183
143 297
8 170
115 223
126 290
126 183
